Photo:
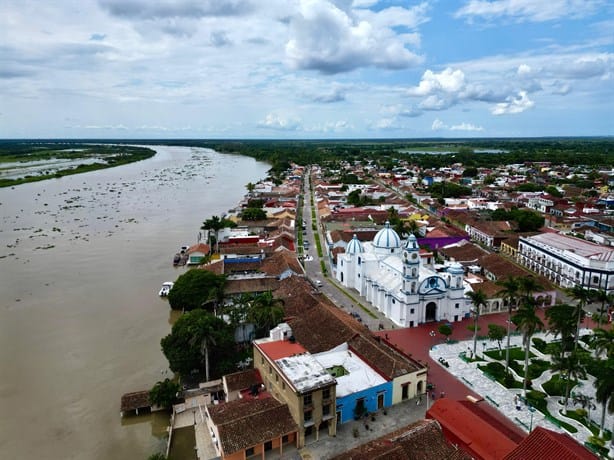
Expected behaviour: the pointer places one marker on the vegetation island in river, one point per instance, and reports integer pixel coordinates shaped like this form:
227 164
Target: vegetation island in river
22 162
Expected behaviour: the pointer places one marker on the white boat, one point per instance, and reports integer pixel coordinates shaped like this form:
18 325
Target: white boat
166 287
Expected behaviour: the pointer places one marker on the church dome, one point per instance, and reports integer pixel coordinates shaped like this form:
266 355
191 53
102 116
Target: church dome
354 246
387 238
456 269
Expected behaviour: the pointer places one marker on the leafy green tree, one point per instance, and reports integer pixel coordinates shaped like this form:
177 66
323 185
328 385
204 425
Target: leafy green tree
238 311
496 332
164 393
253 214
510 292
528 323
445 329
470 172
266 312
528 221
479 300
552 190
250 187
194 337
196 288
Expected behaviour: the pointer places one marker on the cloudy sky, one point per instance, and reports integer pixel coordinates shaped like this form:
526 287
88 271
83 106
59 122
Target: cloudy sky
306 68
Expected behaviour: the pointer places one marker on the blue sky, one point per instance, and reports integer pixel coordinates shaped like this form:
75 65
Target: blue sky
306 68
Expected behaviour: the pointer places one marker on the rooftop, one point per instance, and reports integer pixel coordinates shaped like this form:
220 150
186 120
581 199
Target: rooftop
305 372
360 375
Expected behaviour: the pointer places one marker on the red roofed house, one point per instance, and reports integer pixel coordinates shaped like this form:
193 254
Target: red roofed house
473 430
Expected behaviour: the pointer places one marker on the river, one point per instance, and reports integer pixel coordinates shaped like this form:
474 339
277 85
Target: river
81 262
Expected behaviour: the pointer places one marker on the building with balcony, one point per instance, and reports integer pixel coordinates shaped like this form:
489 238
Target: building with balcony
568 261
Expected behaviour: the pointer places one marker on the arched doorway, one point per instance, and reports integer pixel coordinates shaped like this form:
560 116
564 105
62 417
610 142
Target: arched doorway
431 312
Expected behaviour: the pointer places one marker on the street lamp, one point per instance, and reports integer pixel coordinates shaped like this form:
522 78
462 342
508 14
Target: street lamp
531 409
432 334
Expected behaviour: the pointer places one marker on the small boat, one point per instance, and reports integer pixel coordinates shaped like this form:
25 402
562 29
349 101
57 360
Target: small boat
177 259
166 287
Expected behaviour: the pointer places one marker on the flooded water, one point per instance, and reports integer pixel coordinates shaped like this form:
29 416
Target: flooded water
81 261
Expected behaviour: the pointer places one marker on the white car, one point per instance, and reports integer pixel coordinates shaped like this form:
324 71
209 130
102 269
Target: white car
165 289
318 283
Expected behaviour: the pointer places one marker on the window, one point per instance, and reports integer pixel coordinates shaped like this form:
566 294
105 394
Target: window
270 370
276 377
359 260
262 360
283 385
307 400
456 305
326 410
326 393
412 310
268 445
405 391
285 439
394 301
249 452
307 416
595 279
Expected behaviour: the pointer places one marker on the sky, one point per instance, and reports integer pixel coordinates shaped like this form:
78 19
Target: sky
301 69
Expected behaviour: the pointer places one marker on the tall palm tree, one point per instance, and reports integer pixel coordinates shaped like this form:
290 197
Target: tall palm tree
528 323
604 394
266 311
528 285
510 292
570 368
215 224
479 299
603 297
561 320
582 296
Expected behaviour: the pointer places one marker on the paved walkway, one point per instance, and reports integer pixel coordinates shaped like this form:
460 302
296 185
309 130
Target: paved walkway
505 399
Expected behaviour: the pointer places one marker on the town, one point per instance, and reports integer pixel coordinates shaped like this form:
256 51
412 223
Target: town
417 307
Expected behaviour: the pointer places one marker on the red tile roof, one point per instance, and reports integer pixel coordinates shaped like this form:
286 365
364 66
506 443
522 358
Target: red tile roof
281 349
544 444
473 432
247 423
242 380
421 440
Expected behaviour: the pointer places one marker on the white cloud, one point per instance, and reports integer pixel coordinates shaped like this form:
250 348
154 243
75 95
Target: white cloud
330 39
513 105
466 127
528 10
523 70
439 125
280 122
448 81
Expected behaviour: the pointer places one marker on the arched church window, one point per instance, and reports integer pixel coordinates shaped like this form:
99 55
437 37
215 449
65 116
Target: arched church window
413 287
413 272
359 260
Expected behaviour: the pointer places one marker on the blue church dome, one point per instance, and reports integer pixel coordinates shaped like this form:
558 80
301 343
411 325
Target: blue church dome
412 242
354 246
387 238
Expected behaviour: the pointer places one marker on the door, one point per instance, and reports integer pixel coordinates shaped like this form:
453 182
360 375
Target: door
380 401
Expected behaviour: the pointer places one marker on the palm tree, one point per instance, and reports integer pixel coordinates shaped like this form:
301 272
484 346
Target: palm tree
528 323
528 285
510 291
570 368
604 394
266 311
603 341
215 224
581 295
479 299
586 402
238 310
561 321
603 297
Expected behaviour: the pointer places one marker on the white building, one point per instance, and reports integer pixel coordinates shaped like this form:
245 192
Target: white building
569 261
398 282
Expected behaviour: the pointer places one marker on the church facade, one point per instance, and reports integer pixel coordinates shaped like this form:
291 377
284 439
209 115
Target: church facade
394 278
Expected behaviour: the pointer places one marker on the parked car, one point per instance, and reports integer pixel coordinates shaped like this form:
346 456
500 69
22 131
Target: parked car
166 288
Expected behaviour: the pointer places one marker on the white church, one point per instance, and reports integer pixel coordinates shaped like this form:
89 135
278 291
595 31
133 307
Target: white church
401 283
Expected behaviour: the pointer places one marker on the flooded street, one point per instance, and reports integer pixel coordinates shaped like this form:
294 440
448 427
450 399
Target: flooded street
81 260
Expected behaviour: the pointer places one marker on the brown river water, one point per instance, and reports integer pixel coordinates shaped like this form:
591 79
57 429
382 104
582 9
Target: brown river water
81 261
